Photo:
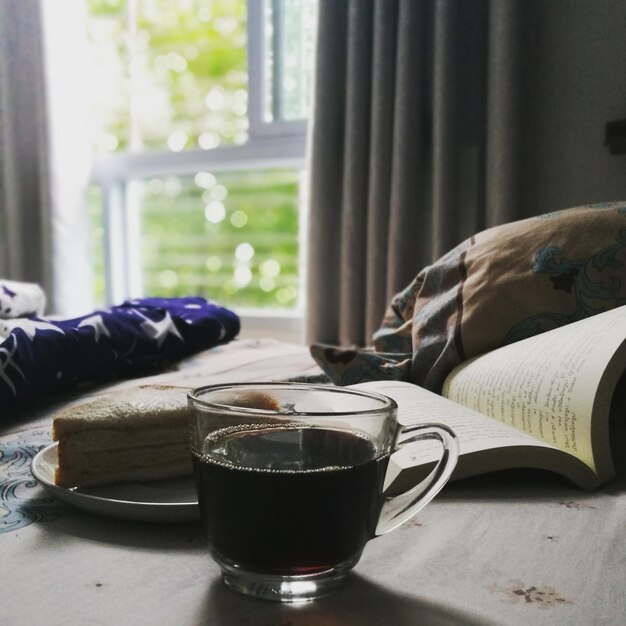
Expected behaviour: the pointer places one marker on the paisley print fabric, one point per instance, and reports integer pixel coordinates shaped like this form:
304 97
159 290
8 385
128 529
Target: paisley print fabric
501 285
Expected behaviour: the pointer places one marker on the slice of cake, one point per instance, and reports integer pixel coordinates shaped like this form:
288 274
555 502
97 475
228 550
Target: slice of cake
132 434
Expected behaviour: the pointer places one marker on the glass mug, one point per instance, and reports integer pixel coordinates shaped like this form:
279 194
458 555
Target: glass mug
290 481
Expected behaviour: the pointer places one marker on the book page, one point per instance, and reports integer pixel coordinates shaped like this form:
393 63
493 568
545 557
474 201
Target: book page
545 385
416 405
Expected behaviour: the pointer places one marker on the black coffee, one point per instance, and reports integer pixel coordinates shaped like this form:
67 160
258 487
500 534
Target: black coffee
314 505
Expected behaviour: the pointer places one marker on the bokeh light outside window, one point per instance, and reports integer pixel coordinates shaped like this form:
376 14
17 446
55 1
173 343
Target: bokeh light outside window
173 78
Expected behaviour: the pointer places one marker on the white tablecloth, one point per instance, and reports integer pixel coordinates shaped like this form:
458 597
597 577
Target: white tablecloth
515 548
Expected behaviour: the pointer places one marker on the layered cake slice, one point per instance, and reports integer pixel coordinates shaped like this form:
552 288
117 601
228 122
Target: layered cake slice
135 434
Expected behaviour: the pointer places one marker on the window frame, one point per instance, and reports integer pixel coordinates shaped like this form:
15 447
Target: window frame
257 73
275 144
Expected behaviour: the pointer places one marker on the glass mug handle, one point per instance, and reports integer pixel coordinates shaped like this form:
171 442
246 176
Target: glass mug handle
398 509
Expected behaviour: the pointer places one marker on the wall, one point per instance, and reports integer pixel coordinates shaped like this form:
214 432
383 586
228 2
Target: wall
577 84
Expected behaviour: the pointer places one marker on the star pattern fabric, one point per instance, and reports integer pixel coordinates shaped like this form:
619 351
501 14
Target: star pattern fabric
41 356
20 299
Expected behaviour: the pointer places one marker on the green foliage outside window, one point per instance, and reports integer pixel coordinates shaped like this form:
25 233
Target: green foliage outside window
174 77
242 248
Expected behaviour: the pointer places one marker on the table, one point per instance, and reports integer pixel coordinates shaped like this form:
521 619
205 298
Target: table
520 547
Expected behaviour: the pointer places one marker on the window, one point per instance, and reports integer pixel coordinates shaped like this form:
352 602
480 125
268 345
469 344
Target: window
200 115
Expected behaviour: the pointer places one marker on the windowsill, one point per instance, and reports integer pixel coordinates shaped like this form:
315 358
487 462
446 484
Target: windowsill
276 324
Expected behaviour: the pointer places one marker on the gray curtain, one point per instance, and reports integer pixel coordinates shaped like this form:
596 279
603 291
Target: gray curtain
24 188
434 119
414 146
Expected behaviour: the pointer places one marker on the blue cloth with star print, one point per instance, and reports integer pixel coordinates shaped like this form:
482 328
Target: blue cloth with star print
139 337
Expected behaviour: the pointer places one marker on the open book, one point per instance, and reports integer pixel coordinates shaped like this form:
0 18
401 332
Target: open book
543 402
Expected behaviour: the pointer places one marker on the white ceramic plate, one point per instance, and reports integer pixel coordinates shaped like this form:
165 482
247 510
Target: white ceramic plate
172 500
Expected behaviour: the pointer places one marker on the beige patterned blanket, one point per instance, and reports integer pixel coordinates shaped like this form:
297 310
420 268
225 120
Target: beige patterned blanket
501 285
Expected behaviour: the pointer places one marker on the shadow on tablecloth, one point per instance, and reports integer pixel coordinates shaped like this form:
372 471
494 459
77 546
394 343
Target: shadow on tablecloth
360 603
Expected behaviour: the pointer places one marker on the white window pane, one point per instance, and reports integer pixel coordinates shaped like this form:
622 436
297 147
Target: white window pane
230 237
172 75
289 40
173 79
